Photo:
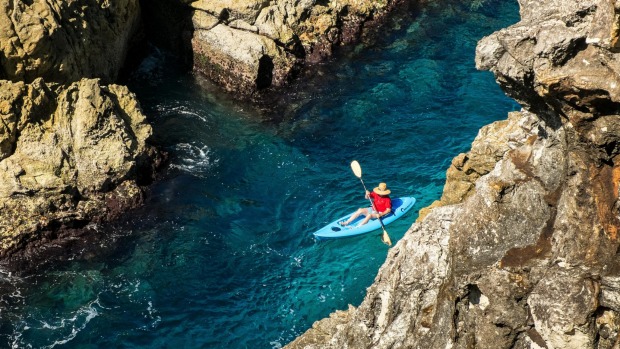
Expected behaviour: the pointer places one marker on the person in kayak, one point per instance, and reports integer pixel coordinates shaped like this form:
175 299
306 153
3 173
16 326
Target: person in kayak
382 205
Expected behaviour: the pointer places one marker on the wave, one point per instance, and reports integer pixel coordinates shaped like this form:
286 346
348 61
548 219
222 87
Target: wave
192 158
73 325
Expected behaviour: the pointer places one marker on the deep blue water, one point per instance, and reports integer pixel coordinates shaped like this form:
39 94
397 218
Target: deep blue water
222 255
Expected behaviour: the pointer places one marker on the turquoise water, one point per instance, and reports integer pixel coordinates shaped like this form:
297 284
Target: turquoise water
222 255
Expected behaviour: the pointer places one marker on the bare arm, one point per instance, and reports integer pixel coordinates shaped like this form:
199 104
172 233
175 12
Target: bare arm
384 213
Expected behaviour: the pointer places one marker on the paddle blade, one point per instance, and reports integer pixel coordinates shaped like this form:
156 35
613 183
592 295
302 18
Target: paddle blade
386 238
357 169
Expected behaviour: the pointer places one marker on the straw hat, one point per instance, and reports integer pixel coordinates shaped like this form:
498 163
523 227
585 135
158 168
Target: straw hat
382 189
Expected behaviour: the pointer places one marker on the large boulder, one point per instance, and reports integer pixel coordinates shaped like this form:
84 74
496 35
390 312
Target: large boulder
247 46
64 41
560 61
241 61
73 146
70 155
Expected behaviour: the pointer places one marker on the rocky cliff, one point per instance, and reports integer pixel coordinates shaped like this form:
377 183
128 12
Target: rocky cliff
64 41
251 45
522 249
69 156
73 147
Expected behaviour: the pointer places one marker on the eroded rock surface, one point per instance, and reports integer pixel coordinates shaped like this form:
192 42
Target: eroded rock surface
522 249
250 45
65 41
73 146
71 155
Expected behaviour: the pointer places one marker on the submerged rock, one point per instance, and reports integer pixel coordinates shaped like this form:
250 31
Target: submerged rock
70 155
521 250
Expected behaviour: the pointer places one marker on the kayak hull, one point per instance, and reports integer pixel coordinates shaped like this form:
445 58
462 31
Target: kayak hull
400 206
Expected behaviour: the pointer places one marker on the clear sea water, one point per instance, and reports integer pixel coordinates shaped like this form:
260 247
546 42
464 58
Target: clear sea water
222 255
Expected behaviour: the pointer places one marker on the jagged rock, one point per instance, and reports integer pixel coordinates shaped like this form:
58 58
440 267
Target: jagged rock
486 150
522 249
73 150
560 60
247 46
228 10
64 41
76 154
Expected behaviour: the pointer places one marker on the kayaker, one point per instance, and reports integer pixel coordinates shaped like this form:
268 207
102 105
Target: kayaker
382 205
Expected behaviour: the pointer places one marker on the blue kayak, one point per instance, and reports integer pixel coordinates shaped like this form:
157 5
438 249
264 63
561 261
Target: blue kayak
333 230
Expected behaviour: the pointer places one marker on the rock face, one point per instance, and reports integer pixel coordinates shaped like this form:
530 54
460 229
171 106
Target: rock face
64 41
68 156
73 149
250 45
522 249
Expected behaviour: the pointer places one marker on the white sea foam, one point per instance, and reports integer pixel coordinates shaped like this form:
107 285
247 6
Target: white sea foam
275 344
72 324
16 342
176 110
152 314
193 158
78 322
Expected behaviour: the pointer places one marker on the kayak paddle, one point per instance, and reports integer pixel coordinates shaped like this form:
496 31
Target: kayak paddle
357 170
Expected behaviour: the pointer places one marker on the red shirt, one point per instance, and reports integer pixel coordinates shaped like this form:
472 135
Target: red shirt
381 202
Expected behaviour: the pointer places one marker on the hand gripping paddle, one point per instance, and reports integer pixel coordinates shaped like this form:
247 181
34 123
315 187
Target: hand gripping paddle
357 170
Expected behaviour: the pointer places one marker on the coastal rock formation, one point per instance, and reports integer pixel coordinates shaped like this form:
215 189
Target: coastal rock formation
522 249
69 156
73 150
64 41
250 45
